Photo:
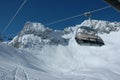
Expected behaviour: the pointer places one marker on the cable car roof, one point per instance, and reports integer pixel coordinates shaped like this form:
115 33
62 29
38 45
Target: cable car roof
88 28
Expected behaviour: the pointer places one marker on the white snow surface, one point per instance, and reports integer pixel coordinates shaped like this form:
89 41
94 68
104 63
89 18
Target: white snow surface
62 62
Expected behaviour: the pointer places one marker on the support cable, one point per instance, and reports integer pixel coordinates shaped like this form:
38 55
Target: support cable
14 16
79 15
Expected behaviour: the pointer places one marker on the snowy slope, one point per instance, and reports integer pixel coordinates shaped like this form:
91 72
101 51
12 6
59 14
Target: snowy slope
20 65
44 59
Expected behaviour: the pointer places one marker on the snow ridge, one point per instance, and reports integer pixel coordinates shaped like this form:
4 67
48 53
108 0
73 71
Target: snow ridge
37 35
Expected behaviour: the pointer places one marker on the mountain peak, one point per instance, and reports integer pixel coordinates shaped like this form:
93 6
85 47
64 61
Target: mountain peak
34 26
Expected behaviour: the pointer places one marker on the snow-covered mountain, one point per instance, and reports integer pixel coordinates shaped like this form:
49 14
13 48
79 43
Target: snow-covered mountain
37 35
99 25
40 53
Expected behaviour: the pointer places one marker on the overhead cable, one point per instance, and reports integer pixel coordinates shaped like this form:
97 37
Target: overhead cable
79 15
11 20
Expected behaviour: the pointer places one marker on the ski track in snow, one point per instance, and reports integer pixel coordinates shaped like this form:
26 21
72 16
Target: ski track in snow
18 72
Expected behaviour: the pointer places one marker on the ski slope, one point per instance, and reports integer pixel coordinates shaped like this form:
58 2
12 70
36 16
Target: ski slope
62 62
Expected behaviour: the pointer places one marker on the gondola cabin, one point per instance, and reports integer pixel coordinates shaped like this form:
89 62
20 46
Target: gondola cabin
88 36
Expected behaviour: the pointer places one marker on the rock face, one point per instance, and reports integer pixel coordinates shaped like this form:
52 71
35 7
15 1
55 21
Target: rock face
36 35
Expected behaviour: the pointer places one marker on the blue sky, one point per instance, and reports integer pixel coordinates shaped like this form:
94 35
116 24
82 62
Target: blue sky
46 11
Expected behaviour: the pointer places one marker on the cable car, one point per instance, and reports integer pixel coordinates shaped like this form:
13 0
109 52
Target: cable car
114 3
87 35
